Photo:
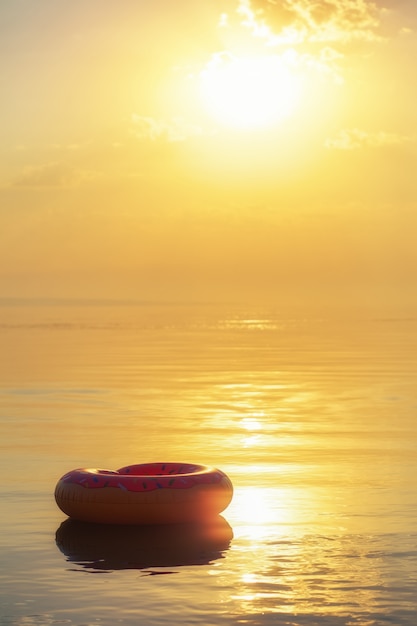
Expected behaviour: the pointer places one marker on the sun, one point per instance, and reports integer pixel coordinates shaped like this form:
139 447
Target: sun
249 92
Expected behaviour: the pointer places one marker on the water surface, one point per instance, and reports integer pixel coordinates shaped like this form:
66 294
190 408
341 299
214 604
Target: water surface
312 417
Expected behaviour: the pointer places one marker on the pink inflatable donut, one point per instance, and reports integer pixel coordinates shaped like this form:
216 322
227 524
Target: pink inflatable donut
149 493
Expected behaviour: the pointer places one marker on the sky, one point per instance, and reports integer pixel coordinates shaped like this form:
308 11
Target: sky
209 150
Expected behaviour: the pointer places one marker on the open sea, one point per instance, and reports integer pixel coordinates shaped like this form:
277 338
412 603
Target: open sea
313 417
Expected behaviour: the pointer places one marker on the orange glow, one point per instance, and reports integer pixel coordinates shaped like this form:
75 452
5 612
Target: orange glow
204 152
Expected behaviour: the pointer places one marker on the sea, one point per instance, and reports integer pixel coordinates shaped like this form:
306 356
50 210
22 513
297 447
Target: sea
312 415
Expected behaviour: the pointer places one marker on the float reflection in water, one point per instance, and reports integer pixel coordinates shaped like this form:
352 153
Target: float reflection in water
115 547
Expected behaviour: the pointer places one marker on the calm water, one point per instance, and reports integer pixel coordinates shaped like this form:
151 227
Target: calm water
313 418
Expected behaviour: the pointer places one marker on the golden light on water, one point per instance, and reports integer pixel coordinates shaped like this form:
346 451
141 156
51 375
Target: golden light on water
259 510
294 578
252 423
294 581
255 507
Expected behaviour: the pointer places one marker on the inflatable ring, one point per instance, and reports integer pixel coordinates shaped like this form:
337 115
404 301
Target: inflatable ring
150 493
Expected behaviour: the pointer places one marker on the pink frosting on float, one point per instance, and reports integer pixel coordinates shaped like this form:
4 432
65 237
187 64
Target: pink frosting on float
145 477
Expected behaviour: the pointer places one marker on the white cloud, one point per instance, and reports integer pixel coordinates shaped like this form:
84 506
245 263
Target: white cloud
174 130
354 139
53 174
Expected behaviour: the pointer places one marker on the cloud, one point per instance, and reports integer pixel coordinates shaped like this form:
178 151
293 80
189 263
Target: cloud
315 32
301 21
54 174
354 139
176 129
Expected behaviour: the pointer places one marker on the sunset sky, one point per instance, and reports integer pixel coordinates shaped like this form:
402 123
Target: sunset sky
209 149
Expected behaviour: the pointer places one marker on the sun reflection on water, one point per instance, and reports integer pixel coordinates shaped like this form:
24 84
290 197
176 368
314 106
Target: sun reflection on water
292 556
326 575
251 441
252 423
251 324
259 512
